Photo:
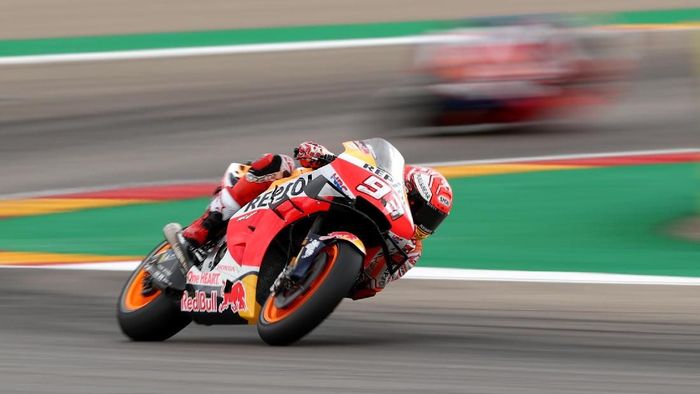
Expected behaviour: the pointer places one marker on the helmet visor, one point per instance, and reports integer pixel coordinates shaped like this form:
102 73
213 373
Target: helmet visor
426 217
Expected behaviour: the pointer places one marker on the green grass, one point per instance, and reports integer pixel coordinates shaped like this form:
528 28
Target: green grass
594 220
131 230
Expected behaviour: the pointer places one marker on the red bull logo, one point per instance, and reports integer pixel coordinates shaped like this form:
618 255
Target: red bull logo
199 303
234 299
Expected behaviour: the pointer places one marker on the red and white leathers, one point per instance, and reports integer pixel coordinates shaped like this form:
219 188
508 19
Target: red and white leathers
238 189
232 195
235 192
375 277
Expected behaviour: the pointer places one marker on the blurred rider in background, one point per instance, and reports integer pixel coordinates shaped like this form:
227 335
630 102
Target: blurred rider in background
429 196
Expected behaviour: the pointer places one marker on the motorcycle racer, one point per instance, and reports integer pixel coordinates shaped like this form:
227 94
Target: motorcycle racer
429 196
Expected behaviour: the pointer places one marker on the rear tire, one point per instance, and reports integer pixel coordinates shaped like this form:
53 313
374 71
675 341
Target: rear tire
281 327
155 317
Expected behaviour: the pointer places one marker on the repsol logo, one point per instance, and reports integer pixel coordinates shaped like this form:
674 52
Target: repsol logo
378 171
292 188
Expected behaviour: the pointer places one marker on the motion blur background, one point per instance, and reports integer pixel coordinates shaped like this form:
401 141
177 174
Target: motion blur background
617 76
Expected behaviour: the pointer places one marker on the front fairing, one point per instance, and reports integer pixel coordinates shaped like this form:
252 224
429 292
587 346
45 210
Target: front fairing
380 181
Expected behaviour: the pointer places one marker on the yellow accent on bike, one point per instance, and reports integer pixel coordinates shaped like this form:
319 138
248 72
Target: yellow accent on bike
295 174
250 283
352 149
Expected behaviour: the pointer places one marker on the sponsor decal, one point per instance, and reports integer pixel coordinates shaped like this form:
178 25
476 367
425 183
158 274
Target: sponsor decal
234 299
292 188
423 189
228 268
444 200
379 172
199 302
339 183
204 278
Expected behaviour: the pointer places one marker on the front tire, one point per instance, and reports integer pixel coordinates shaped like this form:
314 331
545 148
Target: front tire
283 326
152 317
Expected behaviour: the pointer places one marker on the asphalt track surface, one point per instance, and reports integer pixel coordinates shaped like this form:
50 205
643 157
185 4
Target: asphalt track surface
96 124
59 335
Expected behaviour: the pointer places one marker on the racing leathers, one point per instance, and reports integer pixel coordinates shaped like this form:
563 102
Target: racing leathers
240 186
375 277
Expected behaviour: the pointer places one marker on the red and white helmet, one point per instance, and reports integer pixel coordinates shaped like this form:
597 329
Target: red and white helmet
430 198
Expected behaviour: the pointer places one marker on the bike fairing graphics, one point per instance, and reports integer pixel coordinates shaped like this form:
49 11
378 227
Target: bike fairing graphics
292 188
227 286
208 293
233 284
233 299
208 288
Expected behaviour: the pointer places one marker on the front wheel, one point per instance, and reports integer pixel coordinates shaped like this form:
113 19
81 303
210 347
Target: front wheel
147 314
336 270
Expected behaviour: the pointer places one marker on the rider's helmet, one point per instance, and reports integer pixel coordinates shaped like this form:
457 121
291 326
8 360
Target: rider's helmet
430 198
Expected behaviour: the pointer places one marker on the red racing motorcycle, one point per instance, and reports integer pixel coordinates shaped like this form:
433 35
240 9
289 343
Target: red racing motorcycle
288 258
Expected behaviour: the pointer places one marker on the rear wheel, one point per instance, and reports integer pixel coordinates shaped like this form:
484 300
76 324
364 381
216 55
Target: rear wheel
148 314
283 320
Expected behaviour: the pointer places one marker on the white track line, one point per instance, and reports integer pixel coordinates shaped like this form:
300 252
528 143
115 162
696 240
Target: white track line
452 274
217 50
262 48
101 266
546 277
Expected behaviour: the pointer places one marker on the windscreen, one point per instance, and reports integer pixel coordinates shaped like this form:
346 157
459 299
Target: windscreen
390 160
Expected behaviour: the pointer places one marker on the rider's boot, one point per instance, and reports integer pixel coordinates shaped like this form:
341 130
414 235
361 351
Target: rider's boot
206 228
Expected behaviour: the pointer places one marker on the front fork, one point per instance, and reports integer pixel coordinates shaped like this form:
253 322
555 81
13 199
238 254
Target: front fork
301 265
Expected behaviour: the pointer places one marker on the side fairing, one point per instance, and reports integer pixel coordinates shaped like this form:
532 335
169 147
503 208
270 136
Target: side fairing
225 292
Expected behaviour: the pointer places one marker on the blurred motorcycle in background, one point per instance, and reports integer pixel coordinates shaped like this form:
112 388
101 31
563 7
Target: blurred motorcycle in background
507 71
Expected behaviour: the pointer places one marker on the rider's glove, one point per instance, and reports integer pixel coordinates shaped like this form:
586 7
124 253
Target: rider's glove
312 155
